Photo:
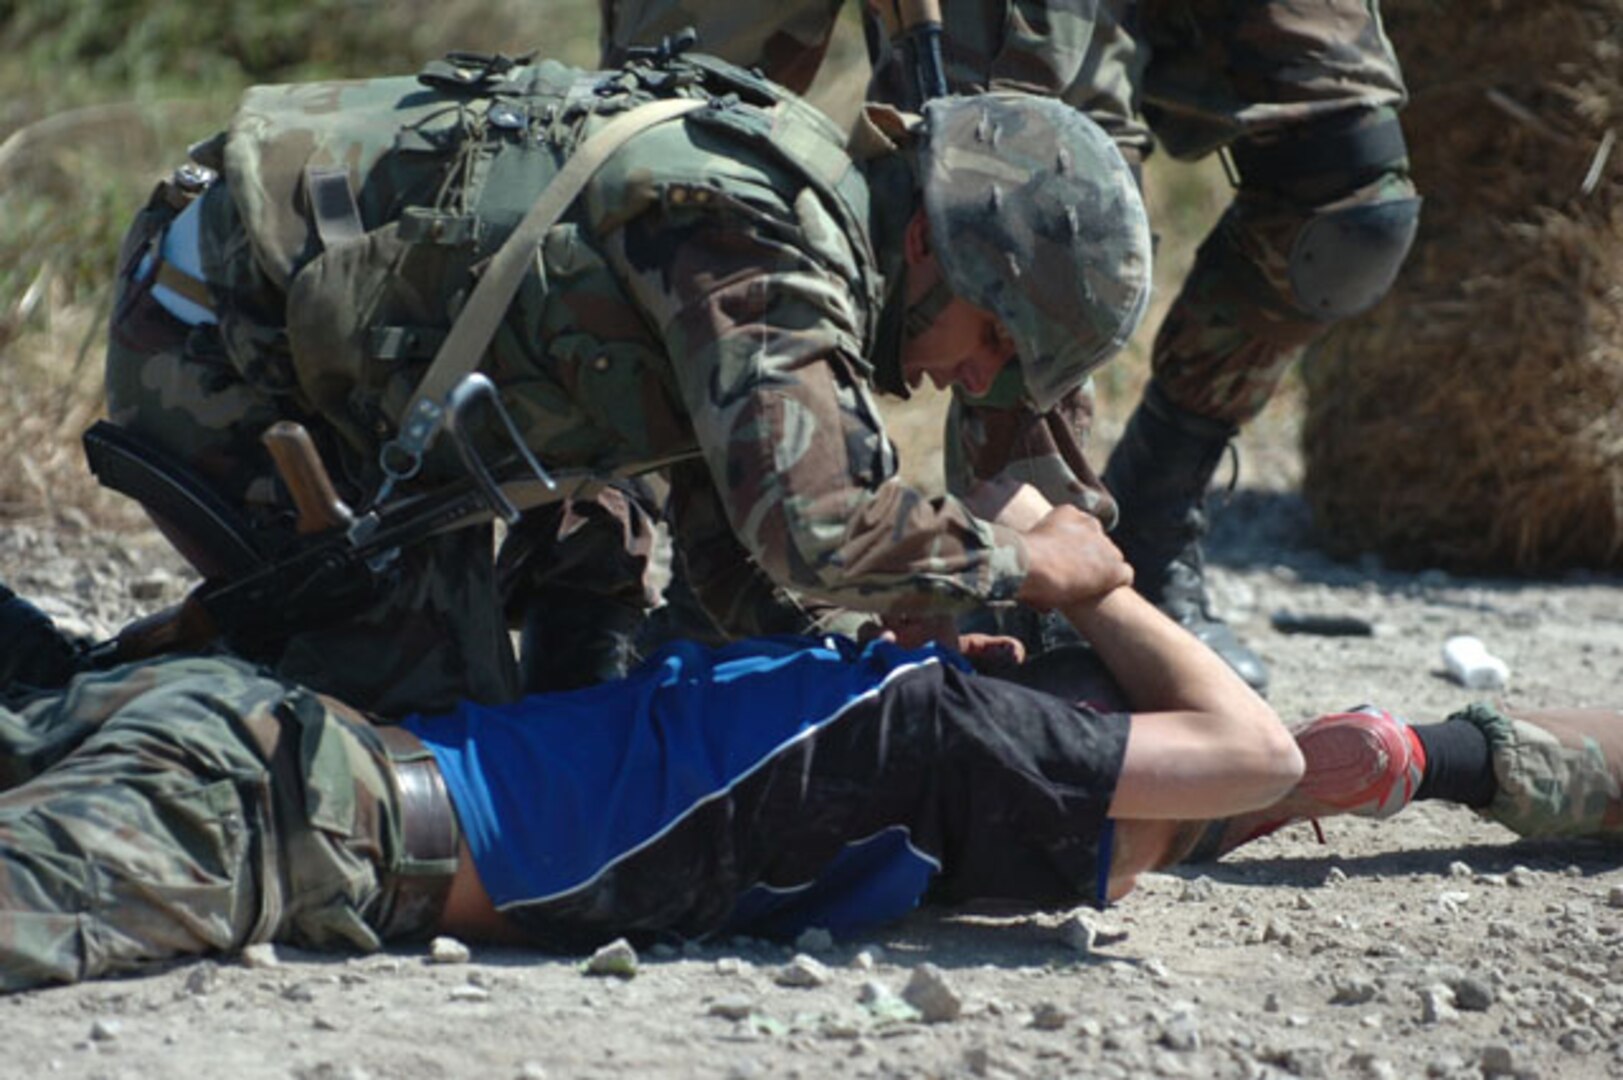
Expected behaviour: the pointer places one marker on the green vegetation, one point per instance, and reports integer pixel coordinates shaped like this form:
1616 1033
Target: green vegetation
100 98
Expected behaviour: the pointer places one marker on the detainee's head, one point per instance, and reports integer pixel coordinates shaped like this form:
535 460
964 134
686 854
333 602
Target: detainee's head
1032 243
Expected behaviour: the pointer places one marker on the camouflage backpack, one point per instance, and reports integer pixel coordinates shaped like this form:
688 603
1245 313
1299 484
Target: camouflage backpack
375 205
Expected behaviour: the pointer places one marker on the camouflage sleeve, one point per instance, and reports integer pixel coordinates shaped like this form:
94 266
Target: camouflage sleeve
731 586
763 332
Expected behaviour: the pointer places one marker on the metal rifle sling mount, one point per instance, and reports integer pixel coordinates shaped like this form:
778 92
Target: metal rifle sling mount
473 390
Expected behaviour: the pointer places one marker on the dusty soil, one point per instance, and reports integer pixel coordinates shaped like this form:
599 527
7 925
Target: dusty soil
1429 945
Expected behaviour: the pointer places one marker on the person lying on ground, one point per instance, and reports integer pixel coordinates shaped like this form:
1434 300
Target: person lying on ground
196 804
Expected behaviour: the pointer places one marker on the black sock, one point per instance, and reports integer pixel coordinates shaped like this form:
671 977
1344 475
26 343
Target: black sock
1459 763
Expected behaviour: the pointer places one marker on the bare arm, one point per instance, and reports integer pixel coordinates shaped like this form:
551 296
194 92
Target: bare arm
1202 743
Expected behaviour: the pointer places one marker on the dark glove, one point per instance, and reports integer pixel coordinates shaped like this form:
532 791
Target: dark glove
33 652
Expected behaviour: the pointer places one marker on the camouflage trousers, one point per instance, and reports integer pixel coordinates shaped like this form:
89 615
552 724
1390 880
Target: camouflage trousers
191 806
1559 772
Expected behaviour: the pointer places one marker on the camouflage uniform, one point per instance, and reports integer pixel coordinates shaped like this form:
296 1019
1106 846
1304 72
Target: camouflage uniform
1301 96
190 806
1559 772
715 299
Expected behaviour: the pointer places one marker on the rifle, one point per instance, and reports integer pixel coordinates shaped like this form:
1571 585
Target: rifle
914 27
339 559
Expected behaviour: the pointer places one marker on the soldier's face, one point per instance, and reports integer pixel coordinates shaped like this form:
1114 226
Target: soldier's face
965 346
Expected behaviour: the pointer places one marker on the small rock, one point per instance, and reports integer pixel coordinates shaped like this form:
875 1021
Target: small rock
1520 877
260 955
203 979
470 993
1335 876
815 940
1270 1003
1078 934
1614 896
1083 935
617 958
1354 991
149 587
531 1070
448 950
1047 1016
105 1030
1279 930
863 961
1497 1059
1473 995
322 1022
1373 1067
1197 889
928 992
1445 1065
730 965
1182 1034
732 1008
802 971
1437 1005
299 992
1457 869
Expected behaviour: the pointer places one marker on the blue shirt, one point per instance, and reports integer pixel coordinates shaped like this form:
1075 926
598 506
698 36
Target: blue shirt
552 789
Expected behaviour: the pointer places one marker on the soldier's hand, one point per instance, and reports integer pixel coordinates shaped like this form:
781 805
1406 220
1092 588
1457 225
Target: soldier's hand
1070 561
912 631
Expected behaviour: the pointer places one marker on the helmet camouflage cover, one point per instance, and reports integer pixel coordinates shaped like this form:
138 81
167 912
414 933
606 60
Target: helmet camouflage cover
1036 217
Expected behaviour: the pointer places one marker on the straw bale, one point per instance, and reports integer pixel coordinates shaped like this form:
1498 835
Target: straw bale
1474 420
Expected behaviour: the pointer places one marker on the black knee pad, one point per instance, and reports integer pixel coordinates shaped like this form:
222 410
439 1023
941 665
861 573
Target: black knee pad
1349 175
1345 260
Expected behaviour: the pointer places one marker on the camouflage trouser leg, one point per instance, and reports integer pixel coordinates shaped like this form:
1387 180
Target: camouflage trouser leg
141 823
1560 772
1221 74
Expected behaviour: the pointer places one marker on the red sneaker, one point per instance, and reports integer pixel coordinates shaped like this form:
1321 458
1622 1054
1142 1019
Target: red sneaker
1364 762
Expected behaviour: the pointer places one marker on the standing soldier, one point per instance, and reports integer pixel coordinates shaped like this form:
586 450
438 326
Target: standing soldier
1300 97
717 298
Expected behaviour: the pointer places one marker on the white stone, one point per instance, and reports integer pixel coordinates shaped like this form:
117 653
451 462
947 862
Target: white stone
448 950
617 958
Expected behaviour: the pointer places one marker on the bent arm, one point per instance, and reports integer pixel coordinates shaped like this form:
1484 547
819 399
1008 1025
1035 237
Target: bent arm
1202 742
764 337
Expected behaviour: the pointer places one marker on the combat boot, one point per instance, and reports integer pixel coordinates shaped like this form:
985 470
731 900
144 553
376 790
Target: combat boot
33 652
1158 474
571 638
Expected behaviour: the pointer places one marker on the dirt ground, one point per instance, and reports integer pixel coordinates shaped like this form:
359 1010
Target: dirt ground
1428 945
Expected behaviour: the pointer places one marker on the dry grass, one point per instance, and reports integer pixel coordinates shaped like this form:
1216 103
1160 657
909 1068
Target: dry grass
1475 420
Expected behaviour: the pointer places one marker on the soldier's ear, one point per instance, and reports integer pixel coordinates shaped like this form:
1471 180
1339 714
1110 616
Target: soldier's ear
916 238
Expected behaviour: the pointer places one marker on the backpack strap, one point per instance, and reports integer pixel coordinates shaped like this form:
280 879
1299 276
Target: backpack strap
464 346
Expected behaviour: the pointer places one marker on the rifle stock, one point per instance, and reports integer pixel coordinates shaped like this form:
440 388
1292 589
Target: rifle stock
184 627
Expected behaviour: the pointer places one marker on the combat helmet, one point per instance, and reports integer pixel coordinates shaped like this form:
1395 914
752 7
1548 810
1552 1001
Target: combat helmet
1036 217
